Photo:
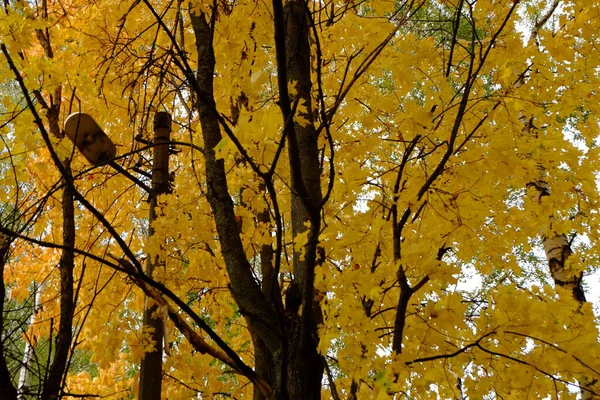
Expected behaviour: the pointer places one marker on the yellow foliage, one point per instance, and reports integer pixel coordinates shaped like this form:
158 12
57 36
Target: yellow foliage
460 148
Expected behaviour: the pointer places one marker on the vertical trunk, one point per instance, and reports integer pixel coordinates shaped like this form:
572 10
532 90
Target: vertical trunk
558 250
556 246
53 384
151 367
29 352
263 362
7 389
305 367
260 314
290 359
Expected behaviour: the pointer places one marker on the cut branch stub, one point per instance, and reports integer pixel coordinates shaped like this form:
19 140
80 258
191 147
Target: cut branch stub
89 138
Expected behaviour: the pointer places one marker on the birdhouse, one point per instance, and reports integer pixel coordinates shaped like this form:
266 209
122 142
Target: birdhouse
89 138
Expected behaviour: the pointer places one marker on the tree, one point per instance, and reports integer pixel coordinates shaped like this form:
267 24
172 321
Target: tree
383 199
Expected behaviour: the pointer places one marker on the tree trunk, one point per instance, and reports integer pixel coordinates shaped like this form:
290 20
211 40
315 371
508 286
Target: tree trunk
285 341
7 389
558 250
305 367
53 384
29 356
253 305
151 366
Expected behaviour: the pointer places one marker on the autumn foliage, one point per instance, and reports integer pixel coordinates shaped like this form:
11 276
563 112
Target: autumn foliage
367 199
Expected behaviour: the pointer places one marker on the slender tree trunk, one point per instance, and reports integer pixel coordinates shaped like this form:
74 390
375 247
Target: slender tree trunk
287 355
259 313
305 367
151 367
53 384
558 250
556 246
29 352
263 362
7 389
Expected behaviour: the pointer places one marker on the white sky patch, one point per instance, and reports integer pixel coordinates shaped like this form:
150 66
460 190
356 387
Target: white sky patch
470 280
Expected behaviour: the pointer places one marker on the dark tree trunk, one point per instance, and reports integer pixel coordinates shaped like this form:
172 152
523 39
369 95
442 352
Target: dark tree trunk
7 389
151 369
305 367
263 361
285 341
253 304
53 384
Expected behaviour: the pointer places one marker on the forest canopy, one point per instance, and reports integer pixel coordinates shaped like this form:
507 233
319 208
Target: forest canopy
299 199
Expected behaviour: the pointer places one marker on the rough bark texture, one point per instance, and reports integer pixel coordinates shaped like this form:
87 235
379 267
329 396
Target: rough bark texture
29 357
305 367
558 250
285 342
7 389
247 293
53 384
262 359
151 366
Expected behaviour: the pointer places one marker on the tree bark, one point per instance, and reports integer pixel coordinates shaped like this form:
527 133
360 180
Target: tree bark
556 246
253 305
7 388
263 362
305 366
29 356
53 383
558 250
151 366
284 354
